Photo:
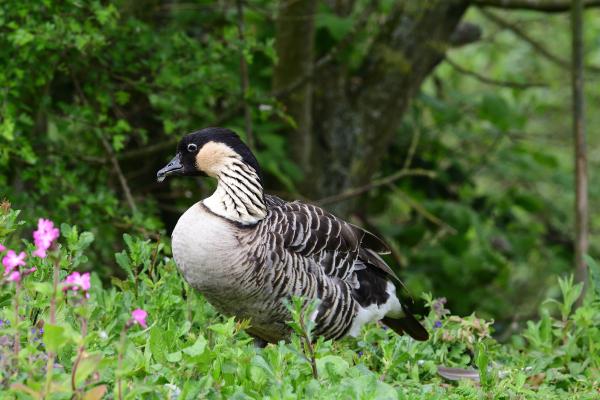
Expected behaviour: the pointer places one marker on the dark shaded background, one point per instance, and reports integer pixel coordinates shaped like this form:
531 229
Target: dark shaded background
443 126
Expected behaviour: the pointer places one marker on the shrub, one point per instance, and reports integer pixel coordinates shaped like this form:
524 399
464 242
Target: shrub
62 335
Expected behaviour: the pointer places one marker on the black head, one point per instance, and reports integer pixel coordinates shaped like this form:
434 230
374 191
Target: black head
205 152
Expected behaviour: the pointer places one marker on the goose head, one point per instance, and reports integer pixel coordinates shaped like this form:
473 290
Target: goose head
209 152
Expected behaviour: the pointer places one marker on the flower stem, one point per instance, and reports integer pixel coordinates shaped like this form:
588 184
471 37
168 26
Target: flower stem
54 287
120 362
79 354
17 343
308 348
51 355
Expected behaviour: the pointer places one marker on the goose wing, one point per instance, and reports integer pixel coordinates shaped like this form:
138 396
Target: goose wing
342 250
309 231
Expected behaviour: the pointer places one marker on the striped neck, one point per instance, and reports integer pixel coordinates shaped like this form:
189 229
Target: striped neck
239 195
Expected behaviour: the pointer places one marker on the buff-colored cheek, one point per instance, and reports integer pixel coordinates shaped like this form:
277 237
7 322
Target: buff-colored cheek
211 156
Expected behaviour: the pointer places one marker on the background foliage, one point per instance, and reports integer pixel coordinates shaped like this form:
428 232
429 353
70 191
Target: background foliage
94 96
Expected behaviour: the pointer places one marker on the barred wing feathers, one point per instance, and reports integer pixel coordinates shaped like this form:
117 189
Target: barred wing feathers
341 259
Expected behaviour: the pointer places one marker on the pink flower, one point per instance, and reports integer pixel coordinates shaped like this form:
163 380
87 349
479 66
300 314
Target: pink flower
39 252
11 261
2 248
139 316
43 238
77 281
14 276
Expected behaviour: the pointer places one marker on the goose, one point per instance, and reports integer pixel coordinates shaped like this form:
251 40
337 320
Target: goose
248 253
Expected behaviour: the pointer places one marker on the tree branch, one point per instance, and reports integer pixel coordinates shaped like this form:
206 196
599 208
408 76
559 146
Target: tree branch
465 33
375 184
171 142
118 171
490 81
423 211
548 6
109 151
295 85
537 46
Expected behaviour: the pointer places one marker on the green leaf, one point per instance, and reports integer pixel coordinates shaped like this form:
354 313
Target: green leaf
161 342
95 393
174 357
594 269
483 362
54 337
496 110
86 366
334 365
43 288
19 387
197 348
7 129
260 362
124 262
337 26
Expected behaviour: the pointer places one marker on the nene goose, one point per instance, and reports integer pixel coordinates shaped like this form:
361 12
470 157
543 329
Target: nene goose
247 252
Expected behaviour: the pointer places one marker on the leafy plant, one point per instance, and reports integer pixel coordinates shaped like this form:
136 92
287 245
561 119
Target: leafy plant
158 339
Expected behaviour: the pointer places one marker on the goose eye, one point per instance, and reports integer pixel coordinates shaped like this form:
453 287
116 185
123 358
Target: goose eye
192 147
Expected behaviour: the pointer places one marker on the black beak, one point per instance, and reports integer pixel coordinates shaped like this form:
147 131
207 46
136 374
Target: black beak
174 167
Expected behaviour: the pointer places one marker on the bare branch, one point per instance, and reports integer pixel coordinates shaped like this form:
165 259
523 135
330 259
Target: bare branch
377 183
423 211
490 81
118 171
319 64
414 143
171 142
537 46
548 6
109 151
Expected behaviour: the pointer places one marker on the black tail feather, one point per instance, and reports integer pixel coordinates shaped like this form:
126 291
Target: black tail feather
408 324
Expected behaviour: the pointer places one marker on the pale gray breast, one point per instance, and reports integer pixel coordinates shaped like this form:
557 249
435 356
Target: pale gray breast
206 250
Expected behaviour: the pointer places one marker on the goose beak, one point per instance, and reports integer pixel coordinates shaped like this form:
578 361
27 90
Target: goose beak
174 167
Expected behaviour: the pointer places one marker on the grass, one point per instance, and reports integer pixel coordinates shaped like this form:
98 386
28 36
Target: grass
94 349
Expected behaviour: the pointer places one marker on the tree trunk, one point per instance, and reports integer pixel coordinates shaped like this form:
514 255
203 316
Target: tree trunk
295 43
355 113
581 182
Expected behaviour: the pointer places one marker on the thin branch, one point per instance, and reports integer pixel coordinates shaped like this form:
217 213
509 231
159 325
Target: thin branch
548 6
414 142
537 46
172 142
423 211
245 80
486 153
308 347
490 81
237 107
375 184
109 150
118 171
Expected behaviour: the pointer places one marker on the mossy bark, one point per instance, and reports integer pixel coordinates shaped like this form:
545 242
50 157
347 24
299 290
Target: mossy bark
295 43
354 113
